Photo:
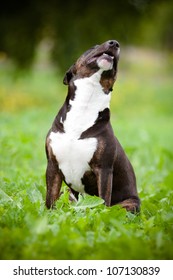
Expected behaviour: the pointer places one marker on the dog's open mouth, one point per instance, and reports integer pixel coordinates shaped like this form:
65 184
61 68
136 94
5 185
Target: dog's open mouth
106 54
107 57
105 62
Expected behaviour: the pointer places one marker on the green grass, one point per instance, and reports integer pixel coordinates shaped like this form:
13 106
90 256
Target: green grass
142 119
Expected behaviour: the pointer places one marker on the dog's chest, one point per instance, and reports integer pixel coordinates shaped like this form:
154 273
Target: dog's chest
73 156
72 153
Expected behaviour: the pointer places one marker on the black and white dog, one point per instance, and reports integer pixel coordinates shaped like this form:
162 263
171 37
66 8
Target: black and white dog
81 147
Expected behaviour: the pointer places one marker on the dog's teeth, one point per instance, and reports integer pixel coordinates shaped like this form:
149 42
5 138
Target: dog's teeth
108 55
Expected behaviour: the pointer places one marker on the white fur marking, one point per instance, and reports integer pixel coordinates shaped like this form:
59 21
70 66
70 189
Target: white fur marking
74 154
90 99
105 62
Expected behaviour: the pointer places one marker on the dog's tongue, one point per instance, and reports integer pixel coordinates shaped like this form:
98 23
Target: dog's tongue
105 62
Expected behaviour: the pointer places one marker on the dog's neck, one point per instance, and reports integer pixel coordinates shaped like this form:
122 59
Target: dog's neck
88 102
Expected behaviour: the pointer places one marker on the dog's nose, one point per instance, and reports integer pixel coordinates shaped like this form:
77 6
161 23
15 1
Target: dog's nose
113 43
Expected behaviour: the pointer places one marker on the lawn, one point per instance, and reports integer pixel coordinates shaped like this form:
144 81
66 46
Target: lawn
142 118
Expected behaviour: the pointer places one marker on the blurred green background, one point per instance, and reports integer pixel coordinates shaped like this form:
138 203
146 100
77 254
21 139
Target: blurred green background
39 40
70 27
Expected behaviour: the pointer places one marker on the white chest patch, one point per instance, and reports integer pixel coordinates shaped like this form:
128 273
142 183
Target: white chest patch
74 154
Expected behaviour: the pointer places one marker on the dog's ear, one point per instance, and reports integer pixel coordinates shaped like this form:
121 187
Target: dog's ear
69 75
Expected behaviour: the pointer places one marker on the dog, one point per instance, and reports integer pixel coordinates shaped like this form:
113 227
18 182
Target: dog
81 147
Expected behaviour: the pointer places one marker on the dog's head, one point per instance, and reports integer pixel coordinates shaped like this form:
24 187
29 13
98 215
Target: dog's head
103 58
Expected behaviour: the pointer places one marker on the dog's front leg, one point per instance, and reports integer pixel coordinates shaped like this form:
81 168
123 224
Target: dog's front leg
104 184
53 181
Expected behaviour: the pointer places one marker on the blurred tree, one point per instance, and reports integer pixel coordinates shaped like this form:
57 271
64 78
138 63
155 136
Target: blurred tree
20 26
80 26
156 25
74 26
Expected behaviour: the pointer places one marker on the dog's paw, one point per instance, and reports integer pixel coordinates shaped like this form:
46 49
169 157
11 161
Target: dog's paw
131 205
